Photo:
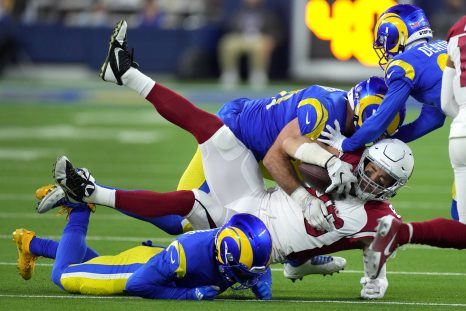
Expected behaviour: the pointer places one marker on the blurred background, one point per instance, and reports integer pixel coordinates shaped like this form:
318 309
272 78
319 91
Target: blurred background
229 41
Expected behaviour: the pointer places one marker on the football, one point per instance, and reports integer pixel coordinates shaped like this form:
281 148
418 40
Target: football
315 176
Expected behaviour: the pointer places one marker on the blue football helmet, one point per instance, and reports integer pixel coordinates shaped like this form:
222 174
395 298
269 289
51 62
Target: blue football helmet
243 247
396 28
366 97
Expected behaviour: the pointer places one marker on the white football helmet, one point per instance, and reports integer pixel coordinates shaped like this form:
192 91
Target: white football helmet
395 158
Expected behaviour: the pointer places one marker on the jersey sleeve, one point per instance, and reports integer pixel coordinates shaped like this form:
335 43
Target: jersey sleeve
429 119
400 70
312 117
156 278
377 124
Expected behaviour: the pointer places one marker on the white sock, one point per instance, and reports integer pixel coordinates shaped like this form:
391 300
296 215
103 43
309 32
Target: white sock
102 196
136 80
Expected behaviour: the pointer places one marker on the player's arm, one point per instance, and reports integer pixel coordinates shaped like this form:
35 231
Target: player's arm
429 119
449 105
376 125
277 160
155 280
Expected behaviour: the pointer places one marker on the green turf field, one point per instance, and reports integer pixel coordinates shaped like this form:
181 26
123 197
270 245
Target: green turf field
125 144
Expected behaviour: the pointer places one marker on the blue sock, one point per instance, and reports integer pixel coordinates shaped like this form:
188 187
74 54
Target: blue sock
171 224
48 249
72 246
454 210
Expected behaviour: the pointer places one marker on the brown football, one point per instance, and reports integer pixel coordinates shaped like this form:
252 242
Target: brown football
315 176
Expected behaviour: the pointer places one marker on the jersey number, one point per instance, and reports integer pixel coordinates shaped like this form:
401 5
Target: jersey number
332 217
462 47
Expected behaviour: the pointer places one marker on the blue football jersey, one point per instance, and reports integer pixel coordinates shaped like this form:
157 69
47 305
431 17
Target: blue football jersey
257 123
417 72
422 68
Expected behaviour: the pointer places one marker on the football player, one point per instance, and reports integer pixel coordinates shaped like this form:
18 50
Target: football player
413 66
237 186
196 266
454 105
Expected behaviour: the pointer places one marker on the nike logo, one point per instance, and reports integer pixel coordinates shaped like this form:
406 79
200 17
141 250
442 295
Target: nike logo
386 251
390 74
307 119
117 58
171 258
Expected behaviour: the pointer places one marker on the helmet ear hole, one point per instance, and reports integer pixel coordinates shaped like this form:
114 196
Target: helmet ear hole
243 247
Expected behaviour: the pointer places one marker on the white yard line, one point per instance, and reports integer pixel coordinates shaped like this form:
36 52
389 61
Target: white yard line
350 302
281 270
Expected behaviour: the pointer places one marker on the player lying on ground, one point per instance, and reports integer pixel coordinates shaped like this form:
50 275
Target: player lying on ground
263 124
197 265
236 184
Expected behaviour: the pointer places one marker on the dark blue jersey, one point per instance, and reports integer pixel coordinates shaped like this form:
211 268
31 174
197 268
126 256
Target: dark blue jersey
416 72
257 123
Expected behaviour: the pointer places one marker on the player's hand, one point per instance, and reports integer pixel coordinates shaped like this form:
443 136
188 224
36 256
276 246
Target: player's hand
341 175
316 213
334 137
206 292
263 288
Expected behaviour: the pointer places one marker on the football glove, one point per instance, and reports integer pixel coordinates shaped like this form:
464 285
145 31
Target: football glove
205 292
263 288
314 210
334 137
341 175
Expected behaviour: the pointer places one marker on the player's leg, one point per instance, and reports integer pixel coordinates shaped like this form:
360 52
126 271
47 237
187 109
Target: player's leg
79 185
72 247
119 68
392 233
106 275
53 196
458 162
454 204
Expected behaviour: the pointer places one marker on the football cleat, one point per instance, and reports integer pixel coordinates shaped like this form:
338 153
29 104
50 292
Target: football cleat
316 265
373 288
118 59
52 196
76 183
383 246
26 260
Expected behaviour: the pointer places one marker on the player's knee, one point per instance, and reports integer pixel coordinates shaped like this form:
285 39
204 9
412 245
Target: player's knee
56 277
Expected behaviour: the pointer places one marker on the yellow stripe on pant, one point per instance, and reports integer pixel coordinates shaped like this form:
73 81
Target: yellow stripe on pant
106 275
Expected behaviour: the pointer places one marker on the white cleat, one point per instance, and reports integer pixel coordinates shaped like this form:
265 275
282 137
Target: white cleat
118 59
383 246
317 265
373 288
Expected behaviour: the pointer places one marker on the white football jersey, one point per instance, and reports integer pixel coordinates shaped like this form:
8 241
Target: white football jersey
457 52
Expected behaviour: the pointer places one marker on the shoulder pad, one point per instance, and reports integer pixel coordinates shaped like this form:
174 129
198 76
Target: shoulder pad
399 69
312 117
177 258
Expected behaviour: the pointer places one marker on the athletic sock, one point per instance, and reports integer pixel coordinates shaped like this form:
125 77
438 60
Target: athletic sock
137 81
179 111
48 249
440 232
102 195
153 204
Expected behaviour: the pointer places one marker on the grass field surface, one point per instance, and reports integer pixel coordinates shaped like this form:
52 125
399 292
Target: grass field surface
125 144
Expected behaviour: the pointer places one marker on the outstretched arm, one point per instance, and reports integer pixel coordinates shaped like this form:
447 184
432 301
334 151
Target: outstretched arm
376 125
429 119
277 159
155 280
449 104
